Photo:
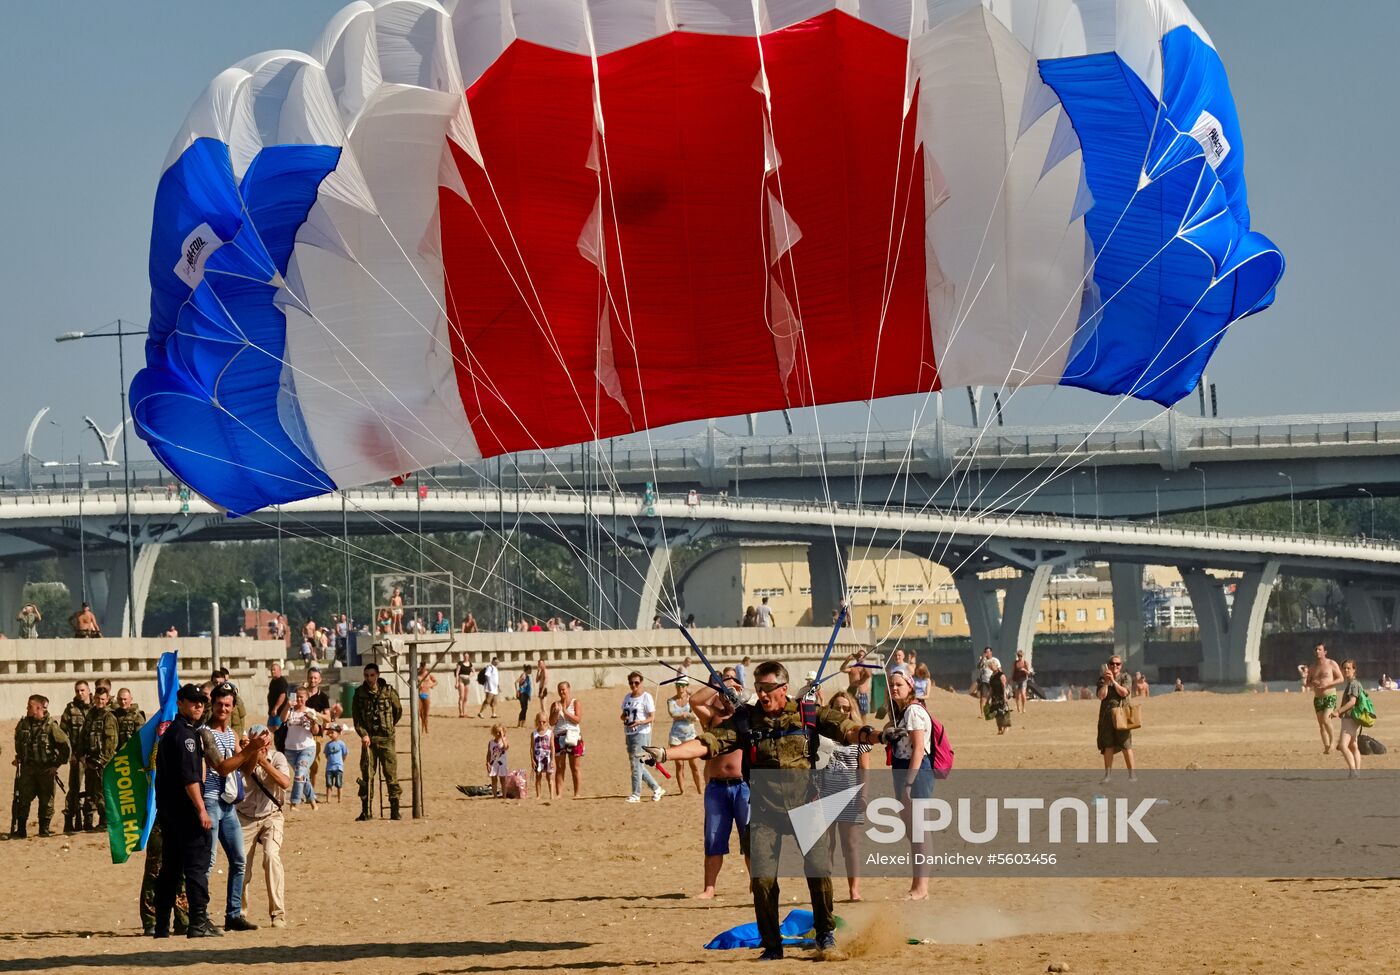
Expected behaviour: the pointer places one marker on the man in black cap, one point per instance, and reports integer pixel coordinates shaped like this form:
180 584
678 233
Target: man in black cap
184 822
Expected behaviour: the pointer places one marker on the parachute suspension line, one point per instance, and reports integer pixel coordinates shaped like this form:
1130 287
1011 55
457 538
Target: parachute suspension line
381 561
604 174
548 330
1060 466
388 426
771 138
1042 356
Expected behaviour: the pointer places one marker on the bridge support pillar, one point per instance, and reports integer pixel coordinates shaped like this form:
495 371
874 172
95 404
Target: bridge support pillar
1374 609
1128 631
106 585
826 565
1230 634
12 580
1005 624
631 595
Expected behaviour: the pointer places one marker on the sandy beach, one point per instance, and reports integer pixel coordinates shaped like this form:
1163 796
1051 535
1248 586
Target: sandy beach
484 885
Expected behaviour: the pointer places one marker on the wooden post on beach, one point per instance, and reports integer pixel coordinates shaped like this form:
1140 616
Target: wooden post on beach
413 731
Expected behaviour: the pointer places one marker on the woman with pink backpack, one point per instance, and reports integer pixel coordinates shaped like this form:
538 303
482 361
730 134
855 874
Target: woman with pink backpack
916 759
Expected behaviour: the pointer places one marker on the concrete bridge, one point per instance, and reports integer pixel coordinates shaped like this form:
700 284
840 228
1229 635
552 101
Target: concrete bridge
1172 463
1001 610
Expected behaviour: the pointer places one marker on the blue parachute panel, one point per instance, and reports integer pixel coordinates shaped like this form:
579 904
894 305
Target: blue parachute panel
207 402
1174 260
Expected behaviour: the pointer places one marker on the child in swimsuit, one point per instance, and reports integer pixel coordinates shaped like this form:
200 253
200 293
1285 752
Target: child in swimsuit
496 750
542 753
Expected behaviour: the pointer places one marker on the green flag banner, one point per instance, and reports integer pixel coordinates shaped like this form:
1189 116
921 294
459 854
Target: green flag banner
128 782
126 789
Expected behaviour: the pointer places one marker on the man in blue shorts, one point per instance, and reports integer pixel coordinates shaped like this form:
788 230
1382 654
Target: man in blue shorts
726 795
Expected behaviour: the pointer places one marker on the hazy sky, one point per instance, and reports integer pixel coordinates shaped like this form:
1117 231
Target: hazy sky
94 92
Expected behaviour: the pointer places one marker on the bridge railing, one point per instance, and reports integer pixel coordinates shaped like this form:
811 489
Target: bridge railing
630 505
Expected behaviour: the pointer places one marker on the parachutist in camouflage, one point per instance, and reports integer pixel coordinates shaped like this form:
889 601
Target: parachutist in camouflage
72 724
376 710
40 748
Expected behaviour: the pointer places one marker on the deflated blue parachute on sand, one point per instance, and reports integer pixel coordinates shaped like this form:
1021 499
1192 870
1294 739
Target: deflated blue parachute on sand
798 928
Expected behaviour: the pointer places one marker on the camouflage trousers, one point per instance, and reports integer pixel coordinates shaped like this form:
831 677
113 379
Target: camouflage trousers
381 750
148 887
73 801
93 802
32 783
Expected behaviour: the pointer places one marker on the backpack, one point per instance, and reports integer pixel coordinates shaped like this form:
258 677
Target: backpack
1364 712
481 676
1369 746
940 753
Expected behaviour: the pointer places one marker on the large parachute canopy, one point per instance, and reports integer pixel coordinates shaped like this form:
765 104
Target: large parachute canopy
456 230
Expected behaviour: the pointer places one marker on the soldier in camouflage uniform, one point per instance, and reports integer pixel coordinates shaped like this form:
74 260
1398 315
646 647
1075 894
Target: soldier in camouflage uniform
129 717
72 724
40 748
99 745
376 710
774 735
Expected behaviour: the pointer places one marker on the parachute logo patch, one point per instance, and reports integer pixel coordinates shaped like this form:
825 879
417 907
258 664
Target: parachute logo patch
194 252
189 744
1208 132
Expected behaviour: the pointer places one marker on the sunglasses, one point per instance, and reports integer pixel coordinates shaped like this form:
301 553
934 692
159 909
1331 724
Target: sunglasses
769 688
634 683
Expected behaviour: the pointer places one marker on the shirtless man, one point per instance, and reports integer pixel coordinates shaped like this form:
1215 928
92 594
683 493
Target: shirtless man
84 623
1323 677
726 792
858 677
396 611
542 679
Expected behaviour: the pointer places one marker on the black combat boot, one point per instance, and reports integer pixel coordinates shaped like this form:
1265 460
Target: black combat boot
363 817
201 928
18 833
394 809
68 826
161 927
44 829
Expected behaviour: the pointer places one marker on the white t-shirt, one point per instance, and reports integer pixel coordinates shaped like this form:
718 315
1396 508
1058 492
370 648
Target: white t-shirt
765 615
638 708
915 718
493 679
299 730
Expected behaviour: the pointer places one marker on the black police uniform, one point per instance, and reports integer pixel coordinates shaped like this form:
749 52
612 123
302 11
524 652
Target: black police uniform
179 762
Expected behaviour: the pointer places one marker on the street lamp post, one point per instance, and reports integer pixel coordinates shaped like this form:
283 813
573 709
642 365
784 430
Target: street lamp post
1292 510
189 629
334 590
257 597
120 334
1372 498
1205 518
